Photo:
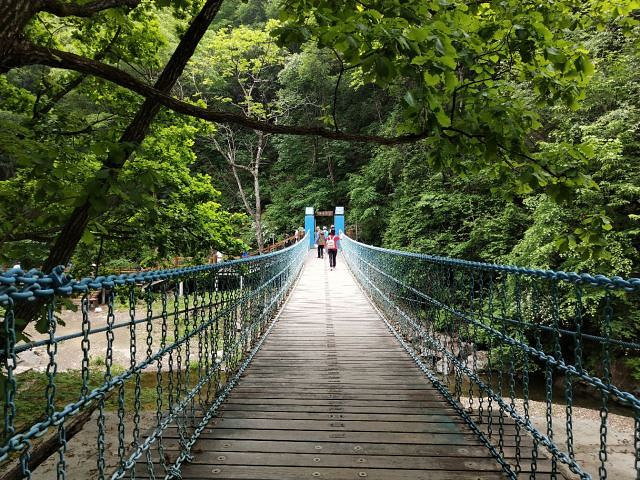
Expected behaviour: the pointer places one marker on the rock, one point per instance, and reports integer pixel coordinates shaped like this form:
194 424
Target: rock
443 366
462 349
482 361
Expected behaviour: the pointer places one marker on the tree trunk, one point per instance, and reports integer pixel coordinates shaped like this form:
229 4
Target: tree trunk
72 231
257 219
96 269
258 213
262 140
50 446
14 16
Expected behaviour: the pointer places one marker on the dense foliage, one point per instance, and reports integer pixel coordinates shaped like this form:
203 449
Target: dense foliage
518 123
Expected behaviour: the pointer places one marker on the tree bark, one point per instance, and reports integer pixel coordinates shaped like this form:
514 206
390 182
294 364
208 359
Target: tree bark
16 51
14 16
67 9
29 54
41 110
262 139
48 447
243 196
230 156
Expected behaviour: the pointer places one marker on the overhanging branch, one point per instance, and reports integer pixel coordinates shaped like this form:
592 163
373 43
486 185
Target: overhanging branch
30 54
68 9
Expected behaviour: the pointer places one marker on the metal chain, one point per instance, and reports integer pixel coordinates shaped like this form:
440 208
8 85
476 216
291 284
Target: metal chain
606 376
61 467
52 366
85 345
441 305
25 458
10 362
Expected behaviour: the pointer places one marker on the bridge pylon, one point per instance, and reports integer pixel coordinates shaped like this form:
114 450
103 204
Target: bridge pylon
310 224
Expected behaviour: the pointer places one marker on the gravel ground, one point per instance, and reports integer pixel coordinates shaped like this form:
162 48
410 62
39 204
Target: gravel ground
586 437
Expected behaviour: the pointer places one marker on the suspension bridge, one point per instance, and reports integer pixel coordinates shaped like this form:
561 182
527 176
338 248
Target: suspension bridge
393 366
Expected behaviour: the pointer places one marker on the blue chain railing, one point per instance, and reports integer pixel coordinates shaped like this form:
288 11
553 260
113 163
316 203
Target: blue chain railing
514 350
153 368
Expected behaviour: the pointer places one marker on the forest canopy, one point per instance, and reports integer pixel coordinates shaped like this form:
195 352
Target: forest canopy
133 131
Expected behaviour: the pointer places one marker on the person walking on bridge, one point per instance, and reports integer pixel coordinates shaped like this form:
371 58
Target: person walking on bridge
332 248
320 241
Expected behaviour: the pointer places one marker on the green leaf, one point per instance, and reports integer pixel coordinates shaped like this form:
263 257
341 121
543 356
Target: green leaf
450 80
418 34
88 238
410 99
443 118
448 61
383 69
431 80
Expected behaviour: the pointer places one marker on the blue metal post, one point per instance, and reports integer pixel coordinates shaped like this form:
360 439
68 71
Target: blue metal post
310 224
338 220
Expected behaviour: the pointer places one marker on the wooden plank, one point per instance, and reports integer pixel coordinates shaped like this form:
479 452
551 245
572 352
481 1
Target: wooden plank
328 395
235 472
335 447
376 402
367 409
337 424
321 459
403 391
362 449
332 416
342 436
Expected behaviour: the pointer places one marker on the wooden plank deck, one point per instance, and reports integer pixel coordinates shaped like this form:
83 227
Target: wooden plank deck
332 395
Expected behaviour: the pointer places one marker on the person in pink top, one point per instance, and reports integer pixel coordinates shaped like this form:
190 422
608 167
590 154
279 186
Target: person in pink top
331 245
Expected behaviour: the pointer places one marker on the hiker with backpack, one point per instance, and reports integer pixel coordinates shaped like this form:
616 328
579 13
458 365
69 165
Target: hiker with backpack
332 248
320 241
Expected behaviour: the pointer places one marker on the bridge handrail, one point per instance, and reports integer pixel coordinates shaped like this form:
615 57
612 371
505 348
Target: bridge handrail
20 285
450 311
212 320
631 284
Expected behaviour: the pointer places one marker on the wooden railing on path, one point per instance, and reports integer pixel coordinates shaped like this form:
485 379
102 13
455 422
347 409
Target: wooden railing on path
278 245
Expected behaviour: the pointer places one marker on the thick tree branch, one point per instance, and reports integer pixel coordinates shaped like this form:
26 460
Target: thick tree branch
68 9
335 91
243 195
32 54
241 167
38 112
38 236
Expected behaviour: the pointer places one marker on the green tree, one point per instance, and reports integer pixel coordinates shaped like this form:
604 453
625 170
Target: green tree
237 67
